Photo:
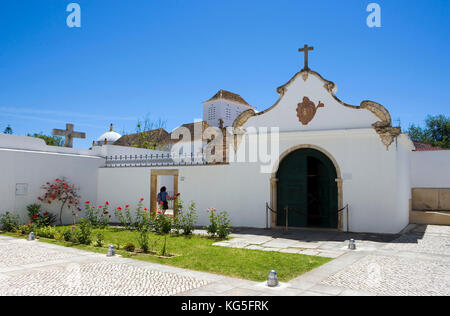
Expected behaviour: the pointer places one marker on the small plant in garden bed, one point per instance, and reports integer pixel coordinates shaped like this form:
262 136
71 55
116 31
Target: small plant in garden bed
130 247
84 231
46 232
100 239
186 219
163 223
9 222
219 224
24 229
40 218
143 241
80 234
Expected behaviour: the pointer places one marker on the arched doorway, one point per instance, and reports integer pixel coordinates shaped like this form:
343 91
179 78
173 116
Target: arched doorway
306 183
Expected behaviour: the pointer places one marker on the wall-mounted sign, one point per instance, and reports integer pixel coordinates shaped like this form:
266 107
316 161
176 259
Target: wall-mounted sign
21 188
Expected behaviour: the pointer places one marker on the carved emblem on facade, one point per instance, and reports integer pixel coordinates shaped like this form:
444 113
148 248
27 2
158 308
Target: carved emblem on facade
307 110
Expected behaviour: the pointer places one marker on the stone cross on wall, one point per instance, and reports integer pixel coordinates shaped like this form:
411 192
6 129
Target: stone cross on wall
306 49
69 135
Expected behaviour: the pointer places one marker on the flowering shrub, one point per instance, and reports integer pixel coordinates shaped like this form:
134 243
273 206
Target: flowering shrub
62 191
163 224
143 220
124 216
39 218
70 235
80 234
186 219
97 216
9 222
219 224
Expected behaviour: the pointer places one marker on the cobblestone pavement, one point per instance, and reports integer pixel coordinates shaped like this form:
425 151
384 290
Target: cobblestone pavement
100 278
416 263
36 268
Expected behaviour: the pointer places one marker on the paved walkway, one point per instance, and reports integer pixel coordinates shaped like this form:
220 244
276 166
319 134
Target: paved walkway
417 263
307 242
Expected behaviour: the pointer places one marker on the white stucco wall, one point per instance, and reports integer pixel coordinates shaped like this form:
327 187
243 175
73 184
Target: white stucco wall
35 168
374 185
224 187
430 169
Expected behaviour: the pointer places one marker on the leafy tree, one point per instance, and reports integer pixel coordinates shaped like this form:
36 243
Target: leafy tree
67 194
49 140
8 130
436 131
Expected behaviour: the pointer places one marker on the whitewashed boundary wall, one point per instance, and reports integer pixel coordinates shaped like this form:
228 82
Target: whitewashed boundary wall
430 169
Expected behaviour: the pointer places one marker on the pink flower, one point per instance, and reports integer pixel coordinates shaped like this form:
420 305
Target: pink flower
73 227
127 206
99 206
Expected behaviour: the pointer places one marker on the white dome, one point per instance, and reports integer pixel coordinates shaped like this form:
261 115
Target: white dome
110 137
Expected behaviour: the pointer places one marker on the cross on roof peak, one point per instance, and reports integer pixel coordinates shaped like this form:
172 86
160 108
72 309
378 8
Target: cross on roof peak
306 49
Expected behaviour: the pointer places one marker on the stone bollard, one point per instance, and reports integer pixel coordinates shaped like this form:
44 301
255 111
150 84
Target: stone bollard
31 237
272 280
352 244
111 252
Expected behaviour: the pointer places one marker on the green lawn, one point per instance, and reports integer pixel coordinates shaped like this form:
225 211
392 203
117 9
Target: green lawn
198 253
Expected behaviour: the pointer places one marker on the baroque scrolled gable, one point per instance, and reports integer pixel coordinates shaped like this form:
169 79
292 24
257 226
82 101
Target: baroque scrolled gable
383 127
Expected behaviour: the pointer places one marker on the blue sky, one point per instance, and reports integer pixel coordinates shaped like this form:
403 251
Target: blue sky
163 58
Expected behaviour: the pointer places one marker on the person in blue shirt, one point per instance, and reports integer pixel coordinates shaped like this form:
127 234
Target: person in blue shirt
163 197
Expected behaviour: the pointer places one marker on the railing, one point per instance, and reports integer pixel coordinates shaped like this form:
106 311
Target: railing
287 209
154 160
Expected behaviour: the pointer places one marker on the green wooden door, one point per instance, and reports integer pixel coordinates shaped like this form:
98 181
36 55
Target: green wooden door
292 189
307 184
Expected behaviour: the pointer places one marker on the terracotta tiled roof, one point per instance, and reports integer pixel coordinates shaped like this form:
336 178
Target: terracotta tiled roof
227 95
159 136
426 147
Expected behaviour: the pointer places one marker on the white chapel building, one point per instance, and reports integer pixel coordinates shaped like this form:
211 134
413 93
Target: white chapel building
334 166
